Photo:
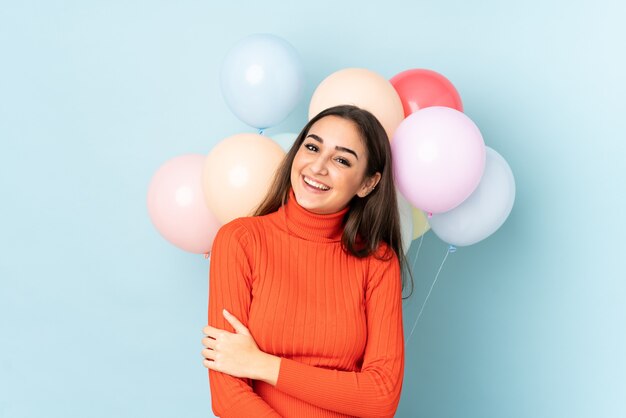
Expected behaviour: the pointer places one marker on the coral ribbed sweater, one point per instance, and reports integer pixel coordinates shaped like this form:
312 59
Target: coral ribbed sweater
334 319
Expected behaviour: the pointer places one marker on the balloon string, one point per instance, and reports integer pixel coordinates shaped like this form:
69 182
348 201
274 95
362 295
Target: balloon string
451 249
417 253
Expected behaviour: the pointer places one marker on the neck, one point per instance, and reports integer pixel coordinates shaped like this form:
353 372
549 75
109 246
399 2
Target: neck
312 226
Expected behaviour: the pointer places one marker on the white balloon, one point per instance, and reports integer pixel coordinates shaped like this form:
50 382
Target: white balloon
484 211
406 221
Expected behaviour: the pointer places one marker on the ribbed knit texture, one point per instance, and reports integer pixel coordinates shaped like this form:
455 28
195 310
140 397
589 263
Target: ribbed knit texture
334 319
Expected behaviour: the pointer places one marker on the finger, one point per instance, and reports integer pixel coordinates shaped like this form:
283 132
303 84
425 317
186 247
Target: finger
209 330
237 325
209 364
208 343
213 332
208 354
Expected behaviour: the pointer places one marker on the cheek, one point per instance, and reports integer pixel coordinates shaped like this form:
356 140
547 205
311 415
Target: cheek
356 186
299 161
294 166
354 179
292 177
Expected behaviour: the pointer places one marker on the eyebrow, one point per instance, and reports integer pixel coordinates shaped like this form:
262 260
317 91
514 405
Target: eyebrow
338 148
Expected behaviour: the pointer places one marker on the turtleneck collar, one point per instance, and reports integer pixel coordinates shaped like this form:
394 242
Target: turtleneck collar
312 226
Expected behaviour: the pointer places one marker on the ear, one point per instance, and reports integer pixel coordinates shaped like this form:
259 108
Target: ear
368 185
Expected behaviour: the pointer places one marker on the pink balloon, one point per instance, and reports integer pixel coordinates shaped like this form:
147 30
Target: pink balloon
439 158
177 207
420 88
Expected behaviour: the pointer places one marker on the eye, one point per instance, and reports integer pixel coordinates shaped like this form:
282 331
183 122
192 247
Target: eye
343 161
311 147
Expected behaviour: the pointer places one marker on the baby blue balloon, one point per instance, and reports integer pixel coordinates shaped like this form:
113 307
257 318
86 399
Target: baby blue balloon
484 211
262 80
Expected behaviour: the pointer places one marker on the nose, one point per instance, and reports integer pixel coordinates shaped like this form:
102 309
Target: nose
318 166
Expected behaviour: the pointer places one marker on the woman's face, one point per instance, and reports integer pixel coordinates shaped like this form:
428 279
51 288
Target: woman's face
329 167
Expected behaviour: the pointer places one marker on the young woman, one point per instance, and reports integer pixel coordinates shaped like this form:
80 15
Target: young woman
305 297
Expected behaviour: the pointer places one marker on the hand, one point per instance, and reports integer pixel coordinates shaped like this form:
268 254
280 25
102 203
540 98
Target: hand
236 354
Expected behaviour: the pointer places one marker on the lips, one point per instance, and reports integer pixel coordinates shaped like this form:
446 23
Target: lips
315 184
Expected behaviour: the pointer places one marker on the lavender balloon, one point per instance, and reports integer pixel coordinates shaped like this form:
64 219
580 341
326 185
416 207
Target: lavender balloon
439 158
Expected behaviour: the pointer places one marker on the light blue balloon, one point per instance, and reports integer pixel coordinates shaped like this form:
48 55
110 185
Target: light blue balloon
484 211
262 80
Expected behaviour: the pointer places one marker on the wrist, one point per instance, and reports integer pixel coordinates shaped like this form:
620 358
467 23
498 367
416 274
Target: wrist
269 368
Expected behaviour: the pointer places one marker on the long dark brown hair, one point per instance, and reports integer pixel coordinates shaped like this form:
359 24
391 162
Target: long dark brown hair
370 220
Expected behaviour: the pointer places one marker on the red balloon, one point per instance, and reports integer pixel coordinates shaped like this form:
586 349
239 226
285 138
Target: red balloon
420 88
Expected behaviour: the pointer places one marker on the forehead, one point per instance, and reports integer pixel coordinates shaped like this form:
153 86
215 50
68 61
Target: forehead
337 131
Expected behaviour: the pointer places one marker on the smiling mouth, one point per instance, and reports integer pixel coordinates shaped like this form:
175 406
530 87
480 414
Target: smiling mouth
315 184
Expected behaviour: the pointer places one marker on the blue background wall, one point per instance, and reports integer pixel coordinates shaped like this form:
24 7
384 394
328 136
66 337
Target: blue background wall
101 317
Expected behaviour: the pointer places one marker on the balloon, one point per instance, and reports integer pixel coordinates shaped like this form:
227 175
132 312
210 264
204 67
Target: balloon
285 140
484 211
420 223
238 173
438 157
362 88
262 80
176 204
421 88
406 221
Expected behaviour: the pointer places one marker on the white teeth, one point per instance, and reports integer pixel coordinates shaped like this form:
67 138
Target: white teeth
315 184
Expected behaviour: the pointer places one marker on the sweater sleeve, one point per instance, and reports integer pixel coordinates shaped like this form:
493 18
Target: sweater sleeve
375 390
230 288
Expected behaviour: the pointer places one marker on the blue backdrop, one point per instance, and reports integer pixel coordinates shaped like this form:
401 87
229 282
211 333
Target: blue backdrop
101 317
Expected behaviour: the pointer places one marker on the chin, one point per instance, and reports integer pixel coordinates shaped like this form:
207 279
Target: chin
318 207
309 203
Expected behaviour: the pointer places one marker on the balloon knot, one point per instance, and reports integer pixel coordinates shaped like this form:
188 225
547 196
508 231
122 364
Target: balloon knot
206 255
260 131
430 215
452 249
